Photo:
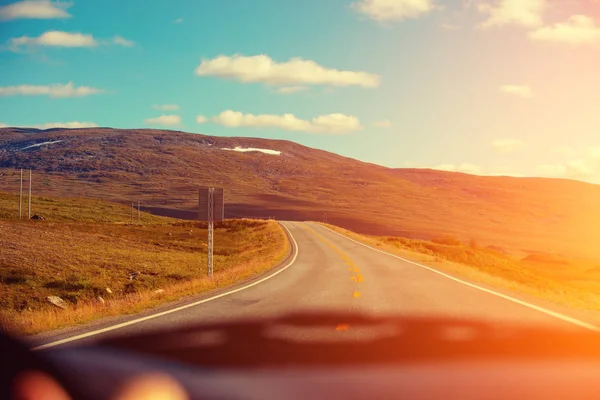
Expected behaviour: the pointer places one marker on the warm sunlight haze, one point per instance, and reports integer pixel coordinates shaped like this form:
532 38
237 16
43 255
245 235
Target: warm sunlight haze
450 94
304 199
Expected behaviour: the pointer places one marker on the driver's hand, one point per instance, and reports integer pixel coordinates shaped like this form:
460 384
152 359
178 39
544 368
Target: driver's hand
35 385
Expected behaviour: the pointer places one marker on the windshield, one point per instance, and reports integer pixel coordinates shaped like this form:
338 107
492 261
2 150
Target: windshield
165 163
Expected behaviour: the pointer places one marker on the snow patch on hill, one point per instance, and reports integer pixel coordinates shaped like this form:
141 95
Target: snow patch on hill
248 149
41 144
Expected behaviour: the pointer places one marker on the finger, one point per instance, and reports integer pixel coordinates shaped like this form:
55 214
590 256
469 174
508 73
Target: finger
35 385
152 387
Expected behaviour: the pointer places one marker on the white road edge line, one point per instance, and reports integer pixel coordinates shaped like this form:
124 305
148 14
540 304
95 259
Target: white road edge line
514 300
160 314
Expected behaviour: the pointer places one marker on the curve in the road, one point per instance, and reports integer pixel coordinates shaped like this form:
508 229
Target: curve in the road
543 310
326 276
196 303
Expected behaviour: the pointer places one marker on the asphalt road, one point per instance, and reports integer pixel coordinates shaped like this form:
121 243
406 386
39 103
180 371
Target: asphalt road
329 272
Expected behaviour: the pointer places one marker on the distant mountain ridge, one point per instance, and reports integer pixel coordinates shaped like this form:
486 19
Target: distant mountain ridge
164 168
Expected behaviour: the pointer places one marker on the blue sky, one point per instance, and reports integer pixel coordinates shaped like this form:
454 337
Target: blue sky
479 86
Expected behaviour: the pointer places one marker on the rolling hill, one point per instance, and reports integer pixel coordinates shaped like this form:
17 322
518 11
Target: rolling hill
289 181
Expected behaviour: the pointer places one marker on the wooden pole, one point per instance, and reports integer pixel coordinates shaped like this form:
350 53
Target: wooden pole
21 196
29 207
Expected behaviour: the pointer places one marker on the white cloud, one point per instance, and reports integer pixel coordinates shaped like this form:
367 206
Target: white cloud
291 89
382 124
50 125
508 144
252 149
450 27
296 71
564 151
121 41
468 168
201 119
332 123
65 39
166 107
594 152
56 90
72 125
464 167
35 9
579 29
164 120
582 169
551 170
518 90
393 10
178 20
335 123
55 39
527 13
585 168
502 172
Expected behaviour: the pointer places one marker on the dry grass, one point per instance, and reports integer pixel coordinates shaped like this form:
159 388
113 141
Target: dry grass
574 283
56 209
164 169
78 260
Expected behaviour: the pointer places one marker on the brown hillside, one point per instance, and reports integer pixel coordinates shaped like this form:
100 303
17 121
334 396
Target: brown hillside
164 168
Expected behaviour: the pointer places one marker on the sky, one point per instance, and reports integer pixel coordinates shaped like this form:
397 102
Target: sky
490 87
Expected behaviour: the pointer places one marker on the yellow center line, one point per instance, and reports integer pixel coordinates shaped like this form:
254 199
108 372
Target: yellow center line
347 259
357 278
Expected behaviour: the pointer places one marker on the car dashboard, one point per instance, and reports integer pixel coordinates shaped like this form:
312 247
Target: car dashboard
310 357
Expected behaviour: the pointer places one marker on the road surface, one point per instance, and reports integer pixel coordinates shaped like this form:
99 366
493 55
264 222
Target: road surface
329 272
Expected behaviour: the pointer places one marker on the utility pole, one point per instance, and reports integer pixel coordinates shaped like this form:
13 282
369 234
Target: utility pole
21 196
211 192
210 209
138 211
29 208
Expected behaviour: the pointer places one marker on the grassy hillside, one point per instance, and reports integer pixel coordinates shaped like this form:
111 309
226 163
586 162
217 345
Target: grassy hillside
66 209
77 254
164 169
572 282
